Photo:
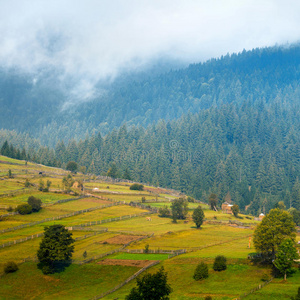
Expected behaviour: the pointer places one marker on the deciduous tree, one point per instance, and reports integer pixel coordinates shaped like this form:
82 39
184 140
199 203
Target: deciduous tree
275 227
213 201
72 166
285 257
35 203
179 208
235 210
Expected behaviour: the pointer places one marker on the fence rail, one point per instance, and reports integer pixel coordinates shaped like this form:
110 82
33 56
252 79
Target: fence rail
126 281
254 290
153 251
58 217
93 223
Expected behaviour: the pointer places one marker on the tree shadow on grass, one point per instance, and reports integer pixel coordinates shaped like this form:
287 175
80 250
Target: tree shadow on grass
55 267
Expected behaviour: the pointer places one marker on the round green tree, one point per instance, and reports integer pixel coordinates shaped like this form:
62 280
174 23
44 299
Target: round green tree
275 227
198 216
72 166
35 203
285 257
56 249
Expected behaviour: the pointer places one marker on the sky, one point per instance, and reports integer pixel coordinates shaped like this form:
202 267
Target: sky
90 40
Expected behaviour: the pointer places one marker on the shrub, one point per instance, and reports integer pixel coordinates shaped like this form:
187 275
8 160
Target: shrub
35 203
220 263
201 271
143 199
10 267
9 174
24 209
190 199
137 187
164 212
146 250
208 298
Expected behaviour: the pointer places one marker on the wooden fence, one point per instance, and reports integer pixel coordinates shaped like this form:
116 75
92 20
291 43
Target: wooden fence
57 218
18 241
93 223
45 205
112 251
171 253
254 290
16 192
127 280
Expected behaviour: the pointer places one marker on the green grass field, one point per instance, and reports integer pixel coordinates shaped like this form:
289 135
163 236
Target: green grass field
76 282
278 289
216 236
46 198
142 256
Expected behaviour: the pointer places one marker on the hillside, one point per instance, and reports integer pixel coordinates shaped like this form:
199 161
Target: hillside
230 125
45 109
114 235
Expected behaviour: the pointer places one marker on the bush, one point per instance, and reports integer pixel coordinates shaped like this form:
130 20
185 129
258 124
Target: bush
10 267
208 298
35 203
220 263
164 212
137 187
146 250
190 199
24 209
201 271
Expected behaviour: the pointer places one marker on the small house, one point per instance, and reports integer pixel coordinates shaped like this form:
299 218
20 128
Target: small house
261 216
226 208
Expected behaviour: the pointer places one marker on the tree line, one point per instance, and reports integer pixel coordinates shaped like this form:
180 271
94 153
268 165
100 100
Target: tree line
40 108
249 151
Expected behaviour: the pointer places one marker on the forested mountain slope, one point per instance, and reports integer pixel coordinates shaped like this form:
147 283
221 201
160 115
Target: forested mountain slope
230 125
251 151
40 107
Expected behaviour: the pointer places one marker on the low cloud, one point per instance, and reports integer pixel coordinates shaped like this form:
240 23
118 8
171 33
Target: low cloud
93 40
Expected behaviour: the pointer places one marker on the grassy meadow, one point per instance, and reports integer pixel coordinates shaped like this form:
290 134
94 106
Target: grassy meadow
217 236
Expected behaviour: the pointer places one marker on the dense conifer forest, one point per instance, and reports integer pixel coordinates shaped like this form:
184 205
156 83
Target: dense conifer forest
229 126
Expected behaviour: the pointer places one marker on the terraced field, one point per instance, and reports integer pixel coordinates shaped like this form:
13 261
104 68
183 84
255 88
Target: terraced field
111 238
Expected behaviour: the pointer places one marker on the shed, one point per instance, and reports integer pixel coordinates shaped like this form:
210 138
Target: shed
226 208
